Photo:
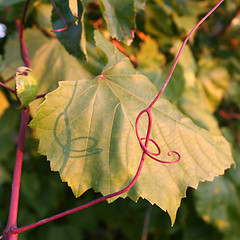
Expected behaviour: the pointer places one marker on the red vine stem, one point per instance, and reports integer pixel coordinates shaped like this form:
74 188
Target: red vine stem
41 95
20 28
13 212
61 16
8 88
9 79
148 110
41 222
15 231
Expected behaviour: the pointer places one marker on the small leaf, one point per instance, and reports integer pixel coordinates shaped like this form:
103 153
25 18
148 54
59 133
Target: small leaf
26 85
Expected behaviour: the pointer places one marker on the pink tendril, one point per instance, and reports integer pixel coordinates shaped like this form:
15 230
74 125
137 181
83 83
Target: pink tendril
61 16
148 139
148 110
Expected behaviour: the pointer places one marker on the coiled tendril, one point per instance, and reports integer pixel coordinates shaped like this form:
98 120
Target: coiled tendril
148 110
148 139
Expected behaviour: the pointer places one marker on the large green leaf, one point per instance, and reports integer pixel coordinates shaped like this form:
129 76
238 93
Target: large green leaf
86 129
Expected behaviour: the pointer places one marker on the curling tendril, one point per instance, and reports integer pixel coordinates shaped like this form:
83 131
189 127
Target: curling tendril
148 110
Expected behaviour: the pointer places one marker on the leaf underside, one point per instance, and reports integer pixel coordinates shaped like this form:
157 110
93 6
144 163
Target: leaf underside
86 130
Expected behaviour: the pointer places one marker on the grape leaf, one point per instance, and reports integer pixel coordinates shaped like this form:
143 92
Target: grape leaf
86 130
72 38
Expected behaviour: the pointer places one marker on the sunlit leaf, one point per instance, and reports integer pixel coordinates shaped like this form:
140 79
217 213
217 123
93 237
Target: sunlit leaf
86 129
73 5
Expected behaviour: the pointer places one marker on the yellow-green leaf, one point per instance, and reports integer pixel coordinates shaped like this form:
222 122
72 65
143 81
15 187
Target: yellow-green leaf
86 130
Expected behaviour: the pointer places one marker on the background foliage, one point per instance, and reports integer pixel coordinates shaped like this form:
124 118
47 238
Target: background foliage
205 87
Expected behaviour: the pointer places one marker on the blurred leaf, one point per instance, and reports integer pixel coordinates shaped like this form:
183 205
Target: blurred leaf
176 85
12 58
73 38
4 103
4 175
88 156
192 105
43 16
1 63
140 4
149 56
120 17
153 64
15 9
9 2
185 13
218 202
214 81
8 122
187 62
157 21
233 93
